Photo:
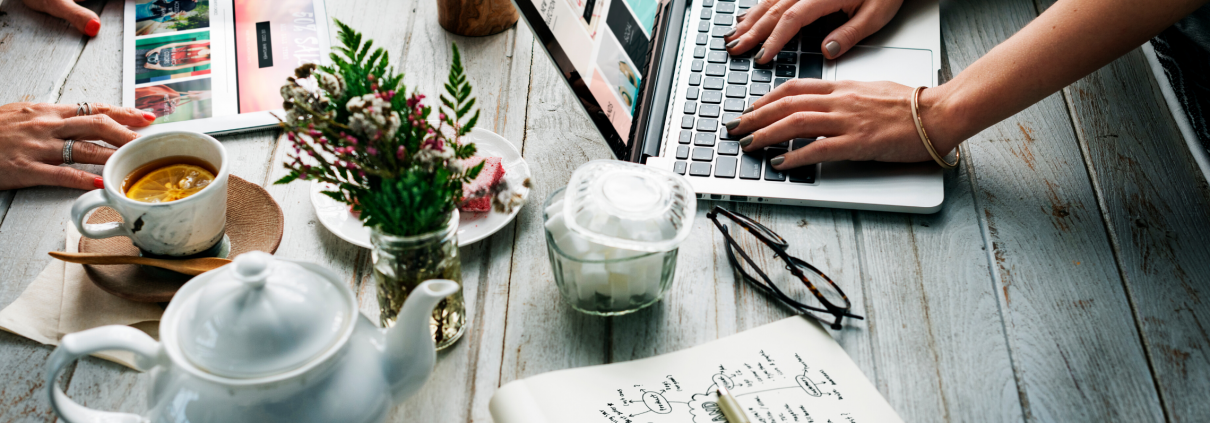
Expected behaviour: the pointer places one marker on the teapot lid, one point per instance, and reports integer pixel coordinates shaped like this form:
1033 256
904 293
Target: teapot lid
260 316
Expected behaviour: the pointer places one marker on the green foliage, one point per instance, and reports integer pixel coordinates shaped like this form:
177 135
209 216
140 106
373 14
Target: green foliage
459 101
404 181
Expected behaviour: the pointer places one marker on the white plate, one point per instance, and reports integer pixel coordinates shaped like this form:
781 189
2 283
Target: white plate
472 227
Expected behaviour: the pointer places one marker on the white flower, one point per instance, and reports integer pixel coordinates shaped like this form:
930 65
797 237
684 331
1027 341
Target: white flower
333 84
370 115
432 158
303 91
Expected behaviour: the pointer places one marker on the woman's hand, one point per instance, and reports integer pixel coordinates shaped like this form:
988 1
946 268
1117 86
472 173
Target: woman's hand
860 120
32 138
79 16
777 21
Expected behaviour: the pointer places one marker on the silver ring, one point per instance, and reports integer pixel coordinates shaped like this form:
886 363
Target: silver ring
83 109
67 152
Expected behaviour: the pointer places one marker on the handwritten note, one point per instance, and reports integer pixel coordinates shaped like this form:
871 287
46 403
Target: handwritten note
788 371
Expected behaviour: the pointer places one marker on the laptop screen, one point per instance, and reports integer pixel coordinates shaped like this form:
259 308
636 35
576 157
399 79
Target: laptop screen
602 48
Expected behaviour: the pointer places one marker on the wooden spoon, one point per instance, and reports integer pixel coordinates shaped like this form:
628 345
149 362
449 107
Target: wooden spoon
192 267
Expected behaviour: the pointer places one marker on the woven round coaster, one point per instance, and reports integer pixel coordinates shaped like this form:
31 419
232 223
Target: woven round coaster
254 223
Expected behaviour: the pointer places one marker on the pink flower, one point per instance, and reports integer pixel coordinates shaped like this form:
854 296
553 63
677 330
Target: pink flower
373 151
401 153
442 116
290 136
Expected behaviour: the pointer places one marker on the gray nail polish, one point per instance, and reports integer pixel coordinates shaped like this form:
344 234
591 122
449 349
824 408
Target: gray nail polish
741 14
743 142
733 44
760 54
732 124
833 48
777 161
729 33
748 110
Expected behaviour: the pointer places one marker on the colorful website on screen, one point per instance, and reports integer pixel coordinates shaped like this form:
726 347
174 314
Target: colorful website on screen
197 59
607 42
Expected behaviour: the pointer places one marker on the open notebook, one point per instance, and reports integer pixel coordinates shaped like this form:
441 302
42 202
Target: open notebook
787 371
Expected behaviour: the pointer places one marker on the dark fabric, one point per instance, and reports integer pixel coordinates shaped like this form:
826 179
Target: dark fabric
1184 52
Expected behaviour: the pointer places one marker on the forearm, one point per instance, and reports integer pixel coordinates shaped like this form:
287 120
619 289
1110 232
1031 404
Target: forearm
1066 42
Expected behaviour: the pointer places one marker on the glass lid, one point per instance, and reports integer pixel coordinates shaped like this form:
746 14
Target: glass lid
260 316
630 206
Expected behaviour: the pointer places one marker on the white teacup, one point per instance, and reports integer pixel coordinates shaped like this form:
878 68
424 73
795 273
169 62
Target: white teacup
194 225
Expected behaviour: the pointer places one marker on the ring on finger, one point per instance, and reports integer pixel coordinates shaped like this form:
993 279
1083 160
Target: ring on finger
67 160
83 109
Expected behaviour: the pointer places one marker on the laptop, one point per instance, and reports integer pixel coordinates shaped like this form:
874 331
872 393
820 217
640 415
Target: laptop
658 84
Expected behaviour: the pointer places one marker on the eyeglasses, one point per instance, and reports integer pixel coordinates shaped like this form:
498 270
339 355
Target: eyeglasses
831 301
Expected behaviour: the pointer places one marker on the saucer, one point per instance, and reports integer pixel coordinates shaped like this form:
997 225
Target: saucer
254 223
472 227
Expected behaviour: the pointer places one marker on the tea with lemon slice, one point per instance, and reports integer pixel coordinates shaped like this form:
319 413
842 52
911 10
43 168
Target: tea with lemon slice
168 179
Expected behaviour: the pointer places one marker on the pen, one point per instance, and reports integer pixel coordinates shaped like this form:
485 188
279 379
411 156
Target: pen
730 407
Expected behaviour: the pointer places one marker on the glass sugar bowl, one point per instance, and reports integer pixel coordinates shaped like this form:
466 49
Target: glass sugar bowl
613 235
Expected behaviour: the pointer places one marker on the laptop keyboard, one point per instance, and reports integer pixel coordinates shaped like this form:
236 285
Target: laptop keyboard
721 86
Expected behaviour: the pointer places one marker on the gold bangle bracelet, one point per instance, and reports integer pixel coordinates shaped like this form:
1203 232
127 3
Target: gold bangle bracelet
924 137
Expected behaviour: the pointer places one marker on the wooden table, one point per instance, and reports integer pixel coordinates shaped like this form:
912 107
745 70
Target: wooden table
1063 280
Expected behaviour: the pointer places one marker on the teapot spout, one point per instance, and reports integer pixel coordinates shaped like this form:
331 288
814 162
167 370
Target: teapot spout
410 351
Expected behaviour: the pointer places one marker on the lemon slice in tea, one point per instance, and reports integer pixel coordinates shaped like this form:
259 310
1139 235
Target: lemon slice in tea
170 183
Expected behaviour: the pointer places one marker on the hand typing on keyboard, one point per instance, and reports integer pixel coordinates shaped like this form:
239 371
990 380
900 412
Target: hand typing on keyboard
859 120
778 22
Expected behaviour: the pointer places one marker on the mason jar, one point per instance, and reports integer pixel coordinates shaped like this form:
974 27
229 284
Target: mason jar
401 263
613 235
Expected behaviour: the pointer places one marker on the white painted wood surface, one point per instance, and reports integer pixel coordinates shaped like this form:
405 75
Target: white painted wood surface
1062 281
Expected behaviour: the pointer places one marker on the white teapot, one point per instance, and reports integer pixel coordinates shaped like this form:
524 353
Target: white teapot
266 340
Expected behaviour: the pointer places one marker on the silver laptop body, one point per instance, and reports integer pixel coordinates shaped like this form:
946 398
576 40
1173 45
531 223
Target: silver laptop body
677 86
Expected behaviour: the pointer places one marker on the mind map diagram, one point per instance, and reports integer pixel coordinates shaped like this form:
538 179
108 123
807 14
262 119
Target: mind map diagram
769 389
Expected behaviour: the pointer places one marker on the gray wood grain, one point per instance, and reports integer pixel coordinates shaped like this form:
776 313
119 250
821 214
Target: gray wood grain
26 232
542 333
48 48
939 343
1074 347
1156 204
6 199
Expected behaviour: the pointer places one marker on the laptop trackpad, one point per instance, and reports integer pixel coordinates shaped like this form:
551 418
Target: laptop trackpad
911 67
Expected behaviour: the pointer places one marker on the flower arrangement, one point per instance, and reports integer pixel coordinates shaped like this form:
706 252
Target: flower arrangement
352 125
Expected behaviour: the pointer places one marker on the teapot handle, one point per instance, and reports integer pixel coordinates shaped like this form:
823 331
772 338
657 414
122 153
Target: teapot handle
76 345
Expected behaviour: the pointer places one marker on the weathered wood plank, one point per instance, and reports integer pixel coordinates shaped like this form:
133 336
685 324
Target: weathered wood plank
495 278
1156 204
939 344
1075 349
6 199
28 235
543 334
42 49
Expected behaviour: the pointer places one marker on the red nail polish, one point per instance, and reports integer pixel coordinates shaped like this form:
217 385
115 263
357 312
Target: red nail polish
93 27
98 183
148 116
